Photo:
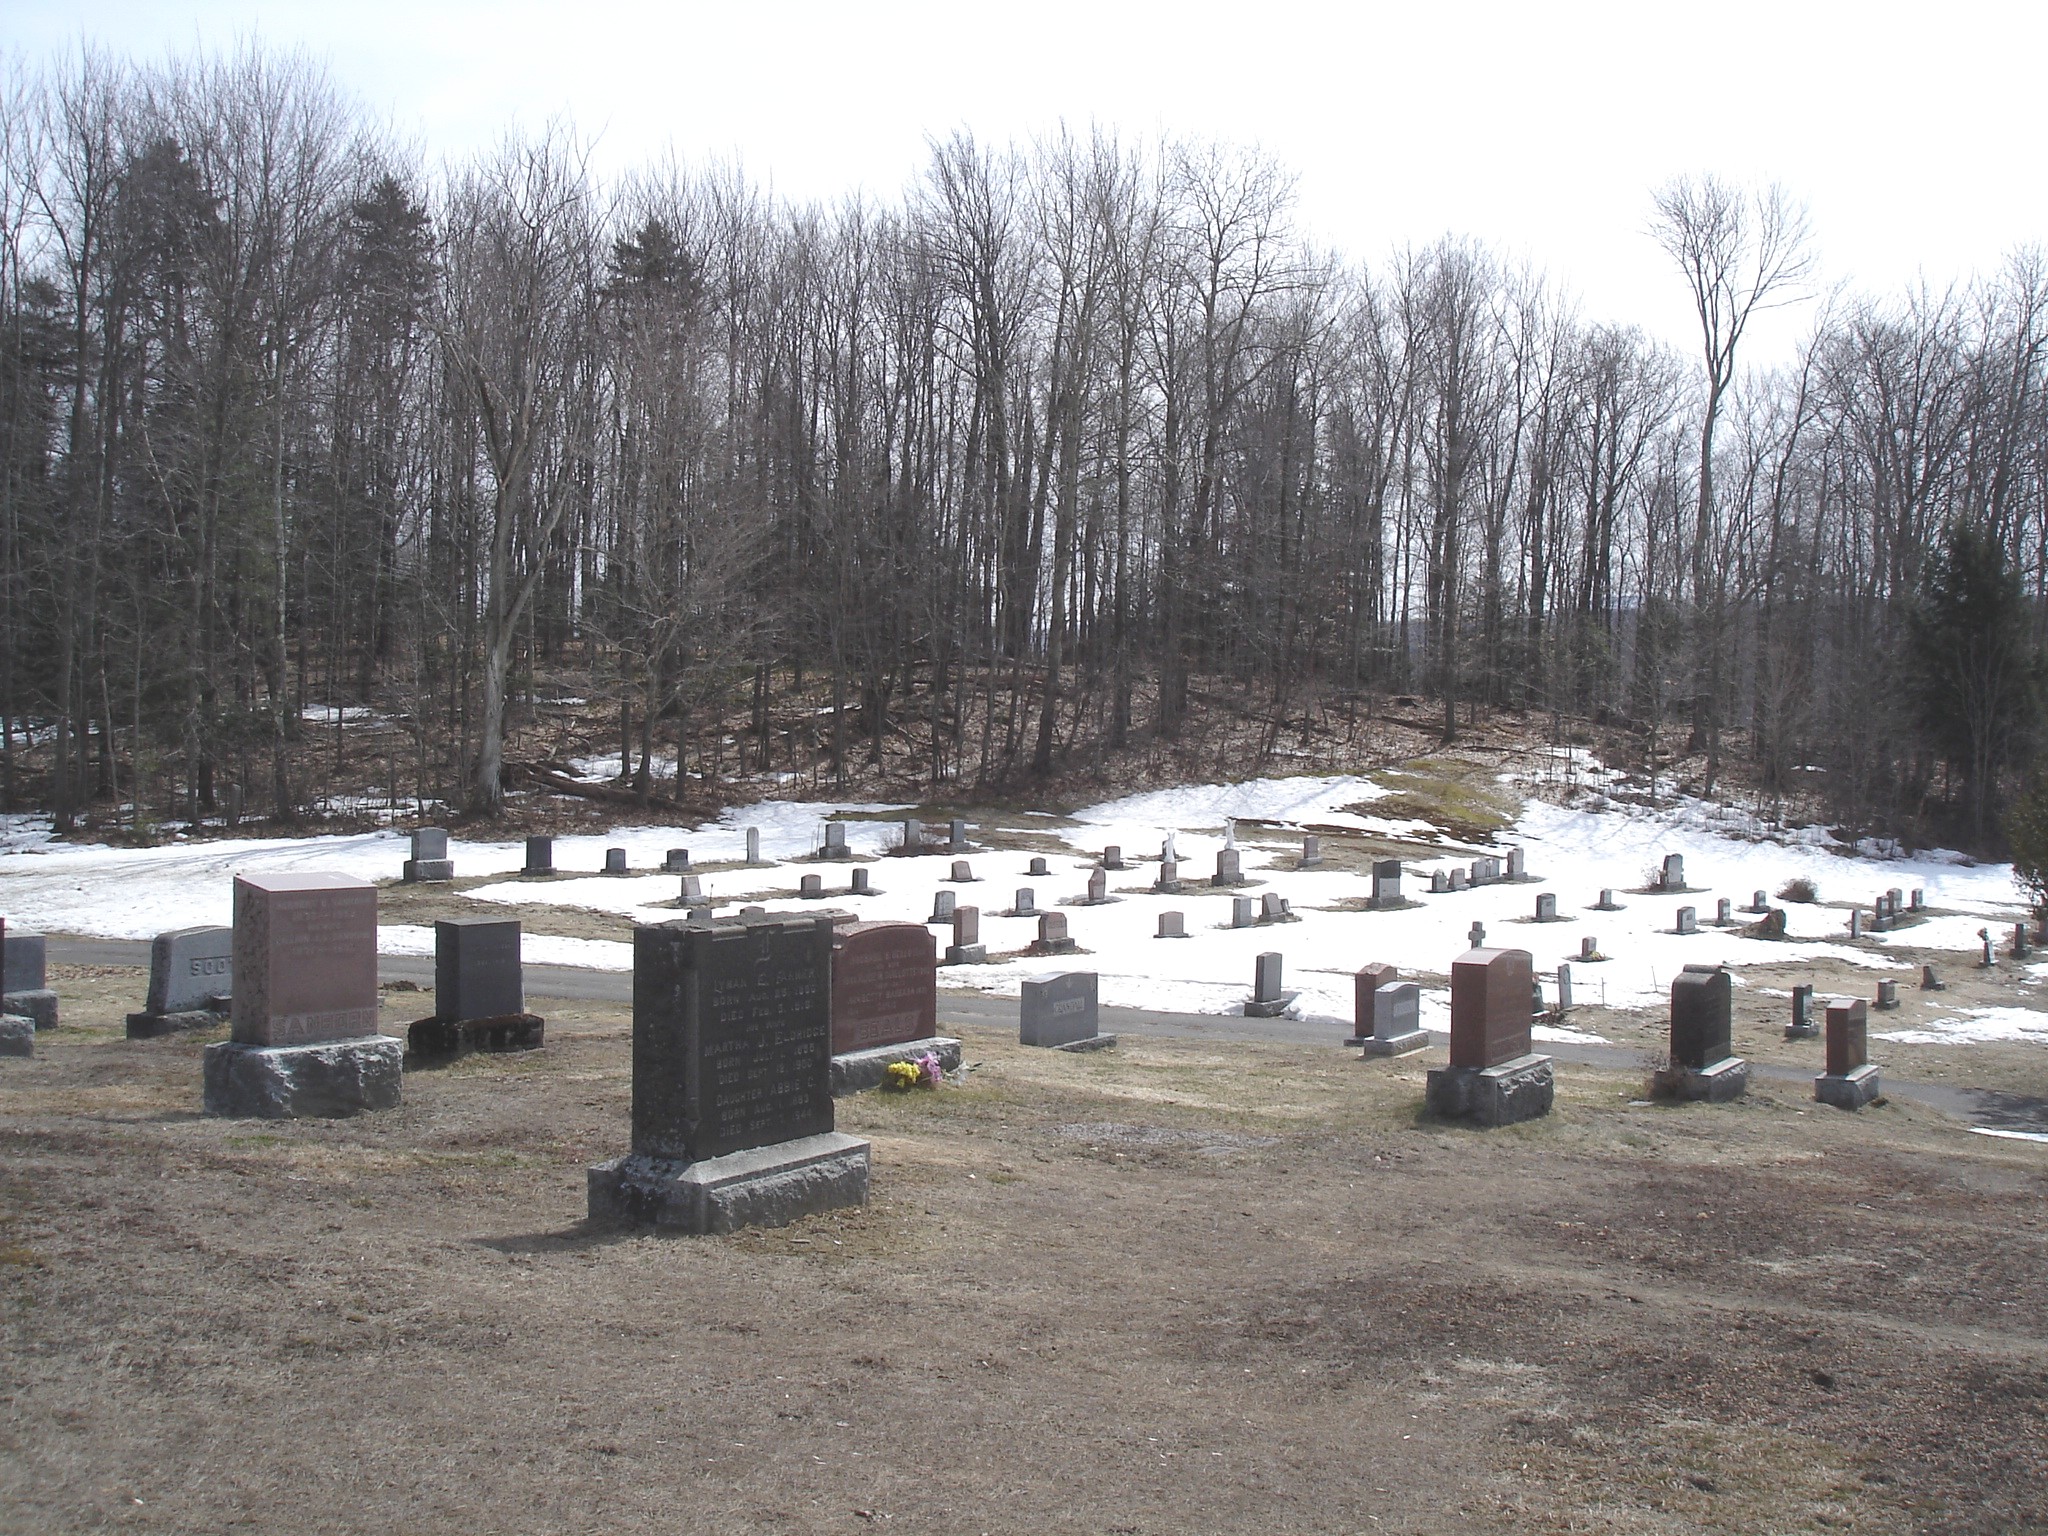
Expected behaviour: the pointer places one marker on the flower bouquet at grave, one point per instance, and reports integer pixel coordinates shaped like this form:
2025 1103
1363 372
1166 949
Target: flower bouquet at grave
921 1072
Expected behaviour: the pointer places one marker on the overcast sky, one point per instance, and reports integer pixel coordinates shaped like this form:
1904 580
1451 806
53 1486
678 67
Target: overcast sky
1912 132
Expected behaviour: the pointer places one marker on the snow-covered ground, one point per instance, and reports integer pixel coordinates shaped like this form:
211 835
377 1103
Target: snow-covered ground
1571 851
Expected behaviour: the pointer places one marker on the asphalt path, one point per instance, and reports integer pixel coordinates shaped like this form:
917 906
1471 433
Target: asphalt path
1988 1108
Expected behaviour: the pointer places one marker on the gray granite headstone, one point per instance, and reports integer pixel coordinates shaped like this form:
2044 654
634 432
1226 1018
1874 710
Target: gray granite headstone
1546 907
958 841
1673 878
942 907
1058 1009
190 969
1515 865
1229 867
811 887
1271 907
1052 930
1266 978
1688 920
430 843
1244 911
753 845
692 893
1172 925
1477 936
1026 902
963 873
1098 885
1438 882
1589 948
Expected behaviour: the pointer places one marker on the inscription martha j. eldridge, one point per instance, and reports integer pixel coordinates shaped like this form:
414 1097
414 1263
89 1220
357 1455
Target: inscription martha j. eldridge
732 1037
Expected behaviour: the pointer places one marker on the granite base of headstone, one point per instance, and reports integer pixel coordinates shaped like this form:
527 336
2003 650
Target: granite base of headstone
17 1035
305 1004
732 1100
859 1071
39 1005
1493 1078
191 982
1060 1011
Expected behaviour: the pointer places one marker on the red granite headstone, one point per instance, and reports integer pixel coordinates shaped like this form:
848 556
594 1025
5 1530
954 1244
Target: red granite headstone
1847 1046
1368 982
884 985
305 959
1490 1006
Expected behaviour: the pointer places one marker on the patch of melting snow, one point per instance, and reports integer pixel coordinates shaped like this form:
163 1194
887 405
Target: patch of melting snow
1975 1026
1990 1130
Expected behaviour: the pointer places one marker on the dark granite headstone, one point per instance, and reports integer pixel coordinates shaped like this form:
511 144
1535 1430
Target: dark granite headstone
615 861
1702 997
190 969
884 985
1386 882
963 873
861 886
1848 1036
1039 867
476 969
305 960
1490 1012
732 1036
540 856
1266 978
1802 1006
675 861
22 962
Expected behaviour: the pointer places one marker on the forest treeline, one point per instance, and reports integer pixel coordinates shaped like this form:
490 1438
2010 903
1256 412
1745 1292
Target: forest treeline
1002 469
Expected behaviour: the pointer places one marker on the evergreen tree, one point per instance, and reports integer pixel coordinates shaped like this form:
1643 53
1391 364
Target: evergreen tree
1972 667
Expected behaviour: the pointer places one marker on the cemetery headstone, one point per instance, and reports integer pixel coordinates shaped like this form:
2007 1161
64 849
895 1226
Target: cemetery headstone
1930 982
1458 880
1438 882
1268 1000
1688 920
732 1099
1758 904
1026 903
1173 925
304 1008
1724 913
1244 912
1098 887
1887 994
479 992
540 856
811 888
1039 868
2019 941
753 847
1053 938
17 1035
1272 909
884 1003
675 861
1477 936
1386 883
1311 851
615 861
1516 869
1673 878
913 835
1493 1077
957 841
1802 1012
1396 1021
1589 948
835 839
942 907
1919 899
1060 1010
1606 903
1364 998
1855 922
429 863
1546 907
691 893
966 948
1229 832
191 980
1849 1081
1169 878
1113 857
25 992
861 885
1229 869
1478 875
1564 988
1702 1065
963 873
